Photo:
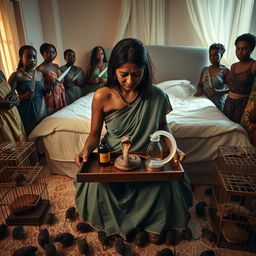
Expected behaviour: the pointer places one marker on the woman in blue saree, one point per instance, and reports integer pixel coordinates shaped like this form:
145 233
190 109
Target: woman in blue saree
131 106
29 85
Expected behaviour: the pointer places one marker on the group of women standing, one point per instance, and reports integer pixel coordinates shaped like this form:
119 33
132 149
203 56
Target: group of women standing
233 91
39 93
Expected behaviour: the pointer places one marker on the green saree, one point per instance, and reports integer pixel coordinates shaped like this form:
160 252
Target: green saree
118 208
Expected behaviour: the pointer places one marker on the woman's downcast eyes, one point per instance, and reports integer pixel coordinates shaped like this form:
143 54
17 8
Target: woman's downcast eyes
136 74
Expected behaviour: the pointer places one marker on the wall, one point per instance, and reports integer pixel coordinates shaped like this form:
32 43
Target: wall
179 29
32 24
88 23
83 24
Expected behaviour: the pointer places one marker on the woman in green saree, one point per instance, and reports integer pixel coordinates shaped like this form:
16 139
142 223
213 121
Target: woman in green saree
131 106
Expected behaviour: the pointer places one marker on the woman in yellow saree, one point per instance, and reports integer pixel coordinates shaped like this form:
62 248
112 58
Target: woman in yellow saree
11 125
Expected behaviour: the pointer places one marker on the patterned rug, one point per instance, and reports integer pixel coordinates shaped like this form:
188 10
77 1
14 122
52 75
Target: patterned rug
61 194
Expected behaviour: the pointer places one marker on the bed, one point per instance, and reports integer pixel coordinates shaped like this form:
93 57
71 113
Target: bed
197 125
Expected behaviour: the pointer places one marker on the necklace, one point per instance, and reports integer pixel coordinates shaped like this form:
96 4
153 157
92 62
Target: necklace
27 74
100 66
130 104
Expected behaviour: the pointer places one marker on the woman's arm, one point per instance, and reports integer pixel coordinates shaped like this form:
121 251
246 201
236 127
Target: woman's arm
199 91
13 80
96 126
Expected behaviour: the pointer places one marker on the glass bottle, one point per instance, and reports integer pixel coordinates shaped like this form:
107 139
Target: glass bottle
154 149
104 153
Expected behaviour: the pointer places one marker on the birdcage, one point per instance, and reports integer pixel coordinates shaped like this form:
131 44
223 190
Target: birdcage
236 159
18 154
23 195
234 220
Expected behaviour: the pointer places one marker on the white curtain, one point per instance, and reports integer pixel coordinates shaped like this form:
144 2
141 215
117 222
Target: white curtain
9 41
143 19
221 21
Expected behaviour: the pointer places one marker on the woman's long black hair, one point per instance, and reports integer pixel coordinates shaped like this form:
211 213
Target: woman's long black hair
131 50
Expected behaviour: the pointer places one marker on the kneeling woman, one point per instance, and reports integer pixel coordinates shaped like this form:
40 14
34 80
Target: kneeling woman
131 106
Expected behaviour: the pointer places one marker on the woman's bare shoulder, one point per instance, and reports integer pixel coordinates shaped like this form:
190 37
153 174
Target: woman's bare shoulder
40 68
254 67
103 93
15 76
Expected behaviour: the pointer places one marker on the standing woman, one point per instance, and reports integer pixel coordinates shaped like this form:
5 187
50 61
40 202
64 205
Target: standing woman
74 81
131 106
29 84
55 99
213 79
241 77
249 117
98 63
11 125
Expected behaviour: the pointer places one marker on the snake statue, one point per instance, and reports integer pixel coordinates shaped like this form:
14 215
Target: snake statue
127 162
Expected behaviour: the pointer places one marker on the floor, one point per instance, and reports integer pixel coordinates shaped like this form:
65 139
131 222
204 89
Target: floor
61 194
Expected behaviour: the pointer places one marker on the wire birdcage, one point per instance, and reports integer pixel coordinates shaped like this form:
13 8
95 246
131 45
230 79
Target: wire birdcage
236 159
23 195
18 154
235 211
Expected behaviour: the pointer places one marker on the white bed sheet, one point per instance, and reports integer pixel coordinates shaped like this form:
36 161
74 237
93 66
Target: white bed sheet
198 126
64 132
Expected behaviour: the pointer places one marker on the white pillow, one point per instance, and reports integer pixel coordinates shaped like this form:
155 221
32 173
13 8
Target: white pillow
178 88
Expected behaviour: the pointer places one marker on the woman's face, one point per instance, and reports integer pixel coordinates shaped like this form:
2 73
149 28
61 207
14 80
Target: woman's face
214 56
129 76
100 54
29 58
243 50
50 54
70 58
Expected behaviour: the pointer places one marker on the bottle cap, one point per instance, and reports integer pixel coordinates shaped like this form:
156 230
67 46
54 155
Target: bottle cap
155 138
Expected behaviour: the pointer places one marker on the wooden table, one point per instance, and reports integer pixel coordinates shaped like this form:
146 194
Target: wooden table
92 172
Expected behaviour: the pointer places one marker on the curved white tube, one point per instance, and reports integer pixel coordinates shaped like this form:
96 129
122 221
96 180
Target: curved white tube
159 163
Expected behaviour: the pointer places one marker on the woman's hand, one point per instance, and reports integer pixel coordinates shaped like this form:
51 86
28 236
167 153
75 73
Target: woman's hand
80 158
27 95
198 94
178 157
96 80
6 104
210 91
12 98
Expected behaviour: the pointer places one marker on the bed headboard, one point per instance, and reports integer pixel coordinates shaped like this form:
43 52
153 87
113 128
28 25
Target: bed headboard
176 62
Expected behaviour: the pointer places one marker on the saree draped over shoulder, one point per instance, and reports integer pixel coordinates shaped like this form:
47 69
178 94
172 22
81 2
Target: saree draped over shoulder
11 125
121 207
